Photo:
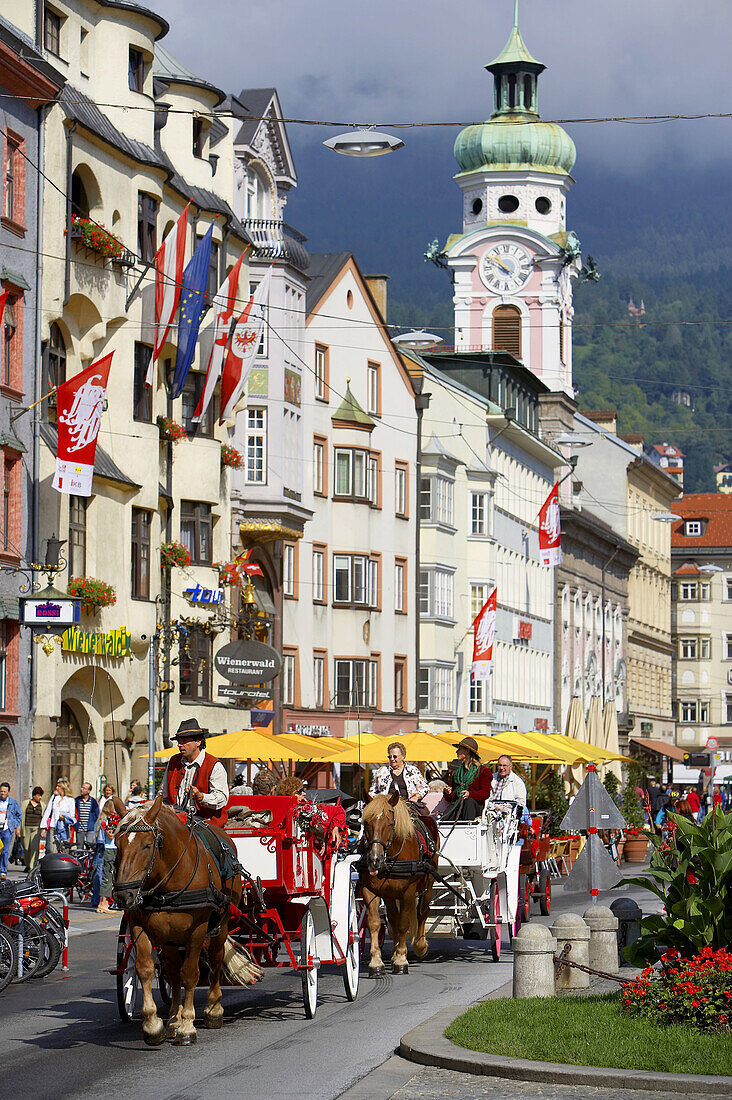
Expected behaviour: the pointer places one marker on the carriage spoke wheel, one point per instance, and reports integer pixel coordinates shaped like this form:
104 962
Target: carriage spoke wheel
545 892
495 928
129 991
353 951
524 898
310 975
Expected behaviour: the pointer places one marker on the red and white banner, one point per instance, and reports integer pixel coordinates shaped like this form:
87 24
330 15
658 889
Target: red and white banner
550 530
223 307
235 571
169 261
79 407
484 633
243 347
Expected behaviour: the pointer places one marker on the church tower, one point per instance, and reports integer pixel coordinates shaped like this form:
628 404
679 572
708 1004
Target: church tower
514 260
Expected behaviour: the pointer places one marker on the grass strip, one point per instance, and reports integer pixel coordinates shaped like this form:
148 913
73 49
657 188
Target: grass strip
588 1031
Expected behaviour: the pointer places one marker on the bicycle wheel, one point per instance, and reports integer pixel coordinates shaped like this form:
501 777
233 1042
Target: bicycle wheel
33 949
8 958
53 947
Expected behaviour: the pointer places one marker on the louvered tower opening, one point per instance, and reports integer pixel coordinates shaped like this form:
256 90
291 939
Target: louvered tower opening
507 330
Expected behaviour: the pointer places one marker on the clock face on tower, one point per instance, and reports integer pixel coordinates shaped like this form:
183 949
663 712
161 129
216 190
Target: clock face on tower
505 267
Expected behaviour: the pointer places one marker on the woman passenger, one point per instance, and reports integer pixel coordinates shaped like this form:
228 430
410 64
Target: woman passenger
399 776
469 783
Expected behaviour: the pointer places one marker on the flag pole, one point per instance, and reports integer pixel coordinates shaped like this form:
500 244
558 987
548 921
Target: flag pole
561 481
28 408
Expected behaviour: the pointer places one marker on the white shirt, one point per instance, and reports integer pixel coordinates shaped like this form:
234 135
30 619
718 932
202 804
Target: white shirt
3 813
59 806
509 789
218 795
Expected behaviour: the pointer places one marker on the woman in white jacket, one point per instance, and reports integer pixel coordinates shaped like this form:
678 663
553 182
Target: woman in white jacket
60 811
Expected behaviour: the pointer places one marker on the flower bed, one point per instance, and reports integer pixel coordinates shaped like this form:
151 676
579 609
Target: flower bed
231 457
173 555
96 238
171 431
92 593
696 992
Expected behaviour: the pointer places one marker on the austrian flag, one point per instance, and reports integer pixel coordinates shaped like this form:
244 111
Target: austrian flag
169 260
79 407
550 532
484 628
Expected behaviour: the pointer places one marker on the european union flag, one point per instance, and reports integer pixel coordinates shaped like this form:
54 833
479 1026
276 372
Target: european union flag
192 301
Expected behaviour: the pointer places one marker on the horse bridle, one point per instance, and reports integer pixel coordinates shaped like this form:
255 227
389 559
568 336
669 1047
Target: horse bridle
143 826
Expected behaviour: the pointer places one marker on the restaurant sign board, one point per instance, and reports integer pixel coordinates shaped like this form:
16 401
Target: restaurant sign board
248 662
112 643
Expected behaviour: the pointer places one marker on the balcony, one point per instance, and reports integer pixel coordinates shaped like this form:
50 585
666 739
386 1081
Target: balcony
276 240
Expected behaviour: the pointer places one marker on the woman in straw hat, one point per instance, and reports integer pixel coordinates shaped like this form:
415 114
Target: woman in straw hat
469 783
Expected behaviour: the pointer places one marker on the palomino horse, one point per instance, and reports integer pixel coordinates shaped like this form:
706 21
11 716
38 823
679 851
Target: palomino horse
172 892
398 872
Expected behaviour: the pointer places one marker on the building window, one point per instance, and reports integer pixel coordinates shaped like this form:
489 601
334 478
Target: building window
256 446
3 665
728 708
356 684
688 590
142 394
401 490
705 590
11 375
688 649
191 394
355 580
141 526
136 70
77 536
703 712
196 661
436 687
477 696
288 679
692 526
147 222
321 372
688 711
478 597
318 468
478 513
436 588
400 683
14 206
52 31
728 588
318 575
436 495
212 283
67 750
262 350
54 359
400 585
198 142
373 389
507 330
11 505
356 475
196 529
289 570
728 647
319 681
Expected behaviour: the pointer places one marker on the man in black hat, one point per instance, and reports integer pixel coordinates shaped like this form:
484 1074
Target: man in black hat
194 779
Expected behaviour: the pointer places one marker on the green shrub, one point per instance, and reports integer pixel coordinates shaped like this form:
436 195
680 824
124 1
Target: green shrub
696 992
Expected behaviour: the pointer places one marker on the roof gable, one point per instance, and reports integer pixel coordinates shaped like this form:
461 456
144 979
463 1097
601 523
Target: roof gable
263 130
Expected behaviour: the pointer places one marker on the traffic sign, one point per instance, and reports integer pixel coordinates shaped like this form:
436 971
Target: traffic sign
712 743
593 808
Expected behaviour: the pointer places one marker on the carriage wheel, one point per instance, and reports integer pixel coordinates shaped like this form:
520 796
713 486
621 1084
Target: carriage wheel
309 976
524 898
129 990
351 967
545 893
495 928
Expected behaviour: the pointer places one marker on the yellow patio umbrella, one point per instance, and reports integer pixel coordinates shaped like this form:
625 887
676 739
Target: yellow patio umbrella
245 745
419 746
320 749
542 747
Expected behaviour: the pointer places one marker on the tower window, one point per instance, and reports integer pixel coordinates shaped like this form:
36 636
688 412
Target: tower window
507 330
477 206
528 92
511 90
507 204
543 205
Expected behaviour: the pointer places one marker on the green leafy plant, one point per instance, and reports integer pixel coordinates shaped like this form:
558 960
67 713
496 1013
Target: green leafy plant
173 555
692 875
696 992
612 786
96 238
631 804
92 593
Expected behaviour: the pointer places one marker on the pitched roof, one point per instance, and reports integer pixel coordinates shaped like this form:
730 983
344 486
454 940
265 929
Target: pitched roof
688 569
715 508
350 412
255 101
667 449
169 68
104 466
324 266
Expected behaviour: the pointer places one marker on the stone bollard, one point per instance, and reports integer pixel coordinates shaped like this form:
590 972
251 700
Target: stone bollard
533 966
603 925
570 928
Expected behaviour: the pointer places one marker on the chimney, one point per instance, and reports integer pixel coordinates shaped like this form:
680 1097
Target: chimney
377 286
604 418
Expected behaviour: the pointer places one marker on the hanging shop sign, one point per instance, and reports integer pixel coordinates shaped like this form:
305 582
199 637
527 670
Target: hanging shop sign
308 731
236 691
248 662
114 643
199 595
50 612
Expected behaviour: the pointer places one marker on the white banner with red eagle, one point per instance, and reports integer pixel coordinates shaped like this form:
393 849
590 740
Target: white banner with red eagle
484 633
550 529
243 347
79 407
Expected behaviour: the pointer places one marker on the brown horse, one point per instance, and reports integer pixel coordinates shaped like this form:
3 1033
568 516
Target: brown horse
172 892
390 840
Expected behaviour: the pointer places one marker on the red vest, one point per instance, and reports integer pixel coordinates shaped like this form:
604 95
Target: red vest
202 780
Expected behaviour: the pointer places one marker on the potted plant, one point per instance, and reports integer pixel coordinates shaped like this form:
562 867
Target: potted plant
636 838
96 238
170 431
173 555
231 457
92 593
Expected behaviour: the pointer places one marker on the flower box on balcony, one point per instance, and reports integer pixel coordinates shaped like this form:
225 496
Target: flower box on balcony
231 457
173 555
170 431
92 593
97 239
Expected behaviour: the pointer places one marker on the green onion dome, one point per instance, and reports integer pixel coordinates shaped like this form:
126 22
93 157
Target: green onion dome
507 143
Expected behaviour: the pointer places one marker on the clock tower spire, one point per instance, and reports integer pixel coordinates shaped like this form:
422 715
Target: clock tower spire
513 261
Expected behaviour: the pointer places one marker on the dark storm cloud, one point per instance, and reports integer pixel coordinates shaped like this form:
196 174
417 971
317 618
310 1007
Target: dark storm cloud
403 60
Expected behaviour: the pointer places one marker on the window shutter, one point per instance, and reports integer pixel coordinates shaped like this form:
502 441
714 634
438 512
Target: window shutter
507 330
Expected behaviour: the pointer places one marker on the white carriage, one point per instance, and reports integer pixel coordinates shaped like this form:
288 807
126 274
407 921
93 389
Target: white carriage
477 892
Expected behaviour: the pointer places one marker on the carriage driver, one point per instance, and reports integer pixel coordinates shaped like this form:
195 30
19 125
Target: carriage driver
194 779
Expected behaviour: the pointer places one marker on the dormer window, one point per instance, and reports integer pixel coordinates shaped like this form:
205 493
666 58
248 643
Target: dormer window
693 527
198 138
136 70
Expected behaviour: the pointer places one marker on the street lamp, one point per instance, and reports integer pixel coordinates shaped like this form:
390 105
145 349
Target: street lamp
509 415
710 568
571 439
419 340
665 517
363 142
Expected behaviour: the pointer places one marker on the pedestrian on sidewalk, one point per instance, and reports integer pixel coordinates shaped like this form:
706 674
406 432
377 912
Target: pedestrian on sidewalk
108 793
31 813
9 826
59 816
87 812
107 824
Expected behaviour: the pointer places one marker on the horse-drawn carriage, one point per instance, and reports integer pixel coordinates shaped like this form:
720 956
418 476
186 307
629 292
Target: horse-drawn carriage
297 908
476 890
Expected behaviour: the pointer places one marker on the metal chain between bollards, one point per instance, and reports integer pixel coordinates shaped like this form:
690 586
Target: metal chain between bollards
561 961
